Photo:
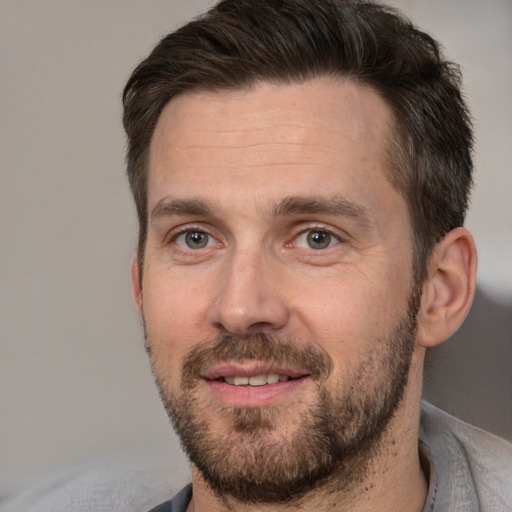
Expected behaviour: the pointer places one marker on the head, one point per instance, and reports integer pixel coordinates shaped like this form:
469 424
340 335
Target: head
296 166
240 42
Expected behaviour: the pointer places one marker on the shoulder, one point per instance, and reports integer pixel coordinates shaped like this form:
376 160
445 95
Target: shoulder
179 503
471 464
132 482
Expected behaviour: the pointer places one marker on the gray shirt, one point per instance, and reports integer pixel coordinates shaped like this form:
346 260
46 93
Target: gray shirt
468 470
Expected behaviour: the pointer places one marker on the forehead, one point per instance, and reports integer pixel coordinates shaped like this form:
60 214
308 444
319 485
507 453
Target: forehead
270 138
335 105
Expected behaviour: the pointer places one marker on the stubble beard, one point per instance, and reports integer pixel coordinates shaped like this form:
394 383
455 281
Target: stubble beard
261 458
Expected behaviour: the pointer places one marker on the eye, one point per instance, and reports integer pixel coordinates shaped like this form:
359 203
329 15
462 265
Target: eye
316 239
194 240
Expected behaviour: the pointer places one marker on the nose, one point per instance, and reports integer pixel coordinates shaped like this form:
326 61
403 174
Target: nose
250 297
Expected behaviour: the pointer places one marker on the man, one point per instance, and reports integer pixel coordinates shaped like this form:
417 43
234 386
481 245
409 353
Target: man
301 173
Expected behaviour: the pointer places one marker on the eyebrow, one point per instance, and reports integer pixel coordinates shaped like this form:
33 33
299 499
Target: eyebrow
292 205
337 206
170 207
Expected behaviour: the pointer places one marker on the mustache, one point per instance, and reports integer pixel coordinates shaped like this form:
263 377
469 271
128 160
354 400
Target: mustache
262 347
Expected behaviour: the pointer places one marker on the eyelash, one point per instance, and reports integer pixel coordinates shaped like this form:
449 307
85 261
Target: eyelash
188 229
292 243
319 229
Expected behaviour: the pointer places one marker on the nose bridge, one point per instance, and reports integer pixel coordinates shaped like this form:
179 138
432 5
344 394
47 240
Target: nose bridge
248 298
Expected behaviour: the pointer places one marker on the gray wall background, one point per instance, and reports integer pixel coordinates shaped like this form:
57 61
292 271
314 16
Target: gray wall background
74 380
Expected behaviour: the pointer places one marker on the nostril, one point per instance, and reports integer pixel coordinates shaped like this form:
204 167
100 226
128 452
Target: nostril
260 326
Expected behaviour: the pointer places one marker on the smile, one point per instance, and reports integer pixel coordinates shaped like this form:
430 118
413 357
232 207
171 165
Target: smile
256 380
253 384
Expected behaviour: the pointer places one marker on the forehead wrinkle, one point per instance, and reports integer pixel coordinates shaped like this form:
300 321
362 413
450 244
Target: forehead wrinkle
270 137
260 128
259 144
244 158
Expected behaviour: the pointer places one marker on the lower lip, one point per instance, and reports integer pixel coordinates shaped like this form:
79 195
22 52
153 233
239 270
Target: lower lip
254 396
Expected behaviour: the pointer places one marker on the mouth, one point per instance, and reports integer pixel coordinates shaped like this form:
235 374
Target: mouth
251 373
256 380
252 384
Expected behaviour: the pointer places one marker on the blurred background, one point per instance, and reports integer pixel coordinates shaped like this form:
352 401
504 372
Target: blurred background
74 380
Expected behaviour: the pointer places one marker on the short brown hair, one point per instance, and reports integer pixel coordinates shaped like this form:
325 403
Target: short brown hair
240 42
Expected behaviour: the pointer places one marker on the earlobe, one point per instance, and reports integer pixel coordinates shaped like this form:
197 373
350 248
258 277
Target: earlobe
449 288
136 285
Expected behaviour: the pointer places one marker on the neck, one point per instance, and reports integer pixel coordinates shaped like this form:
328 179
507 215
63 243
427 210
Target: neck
393 482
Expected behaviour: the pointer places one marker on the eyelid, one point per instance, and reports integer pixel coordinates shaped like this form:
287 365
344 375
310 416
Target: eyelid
304 244
186 228
210 241
339 235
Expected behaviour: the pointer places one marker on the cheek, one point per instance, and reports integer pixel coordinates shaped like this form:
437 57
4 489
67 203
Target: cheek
169 295
347 317
174 312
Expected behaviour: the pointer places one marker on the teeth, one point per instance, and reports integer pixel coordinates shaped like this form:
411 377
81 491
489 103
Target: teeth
273 378
256 380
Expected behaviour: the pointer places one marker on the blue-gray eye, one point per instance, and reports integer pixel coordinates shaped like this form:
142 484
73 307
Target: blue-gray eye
194 240
315 239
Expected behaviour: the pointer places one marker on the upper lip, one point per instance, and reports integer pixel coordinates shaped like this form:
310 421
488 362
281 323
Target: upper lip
249 369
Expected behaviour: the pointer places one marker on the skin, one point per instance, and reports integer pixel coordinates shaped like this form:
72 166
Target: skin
241 156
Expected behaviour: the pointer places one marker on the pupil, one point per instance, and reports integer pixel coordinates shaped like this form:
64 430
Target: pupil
196 239
319 239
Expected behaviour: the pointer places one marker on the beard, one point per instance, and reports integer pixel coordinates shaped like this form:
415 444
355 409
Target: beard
260 456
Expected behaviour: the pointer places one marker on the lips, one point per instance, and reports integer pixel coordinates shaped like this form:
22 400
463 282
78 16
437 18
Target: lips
251 373
252 384
256 380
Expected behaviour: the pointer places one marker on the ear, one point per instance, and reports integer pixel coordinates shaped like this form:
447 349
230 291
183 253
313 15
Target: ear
136 285
449 288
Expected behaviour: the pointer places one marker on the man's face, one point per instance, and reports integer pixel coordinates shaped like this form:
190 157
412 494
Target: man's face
277 283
